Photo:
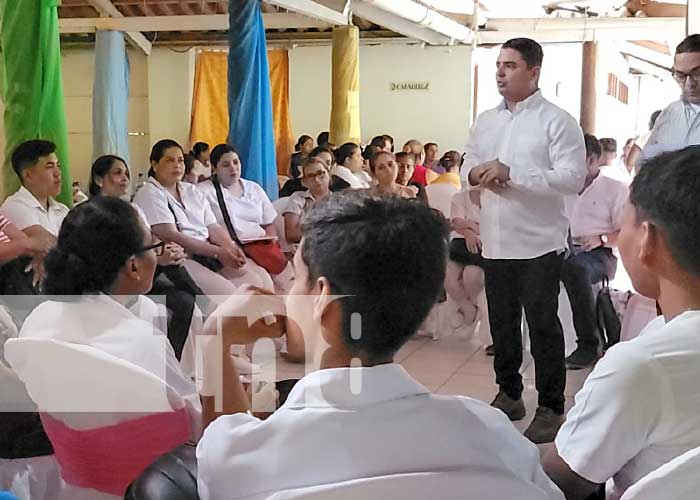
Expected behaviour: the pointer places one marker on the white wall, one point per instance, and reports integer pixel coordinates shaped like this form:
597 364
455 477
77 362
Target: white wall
560 79
440 114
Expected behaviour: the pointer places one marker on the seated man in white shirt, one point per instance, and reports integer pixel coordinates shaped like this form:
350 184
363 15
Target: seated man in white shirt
32 208
640 407
361 415
595 220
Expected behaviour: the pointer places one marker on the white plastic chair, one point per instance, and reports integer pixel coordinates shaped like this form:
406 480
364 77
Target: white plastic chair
676 480
83 390
466 485
439 198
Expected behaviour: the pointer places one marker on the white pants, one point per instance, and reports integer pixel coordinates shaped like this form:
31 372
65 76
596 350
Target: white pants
227 281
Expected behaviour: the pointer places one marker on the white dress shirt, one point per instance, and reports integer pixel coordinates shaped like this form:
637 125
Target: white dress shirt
24 210
193 215
676 127
639 408
543 146
598 210
349 423
248 213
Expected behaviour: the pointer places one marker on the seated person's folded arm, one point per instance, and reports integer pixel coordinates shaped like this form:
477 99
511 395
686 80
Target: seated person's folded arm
193 246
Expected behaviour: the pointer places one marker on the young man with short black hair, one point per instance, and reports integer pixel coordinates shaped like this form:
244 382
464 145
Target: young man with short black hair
525 155
32 208
640 407
362 289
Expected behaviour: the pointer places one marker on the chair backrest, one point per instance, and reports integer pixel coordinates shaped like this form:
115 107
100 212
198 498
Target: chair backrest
676 480
446 485
106 418
440 197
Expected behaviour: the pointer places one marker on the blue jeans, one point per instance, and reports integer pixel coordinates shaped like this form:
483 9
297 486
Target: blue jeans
578 274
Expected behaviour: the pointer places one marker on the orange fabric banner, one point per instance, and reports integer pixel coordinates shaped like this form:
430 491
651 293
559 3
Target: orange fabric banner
209 102
210 105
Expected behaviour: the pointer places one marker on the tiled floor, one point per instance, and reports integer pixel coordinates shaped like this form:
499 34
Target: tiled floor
457 365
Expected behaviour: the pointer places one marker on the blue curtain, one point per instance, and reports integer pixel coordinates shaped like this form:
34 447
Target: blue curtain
249 99
110 97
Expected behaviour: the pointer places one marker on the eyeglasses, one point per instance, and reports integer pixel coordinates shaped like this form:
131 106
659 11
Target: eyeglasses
318 175
159 248
681 77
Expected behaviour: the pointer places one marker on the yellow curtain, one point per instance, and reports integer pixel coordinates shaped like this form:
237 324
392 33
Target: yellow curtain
210 105
345 106
278 61
209 102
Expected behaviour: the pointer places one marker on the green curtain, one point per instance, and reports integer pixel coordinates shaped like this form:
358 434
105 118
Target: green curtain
32 90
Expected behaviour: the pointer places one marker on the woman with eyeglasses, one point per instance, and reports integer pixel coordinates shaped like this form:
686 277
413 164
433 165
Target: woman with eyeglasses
110 176
178 212
316 178
102 265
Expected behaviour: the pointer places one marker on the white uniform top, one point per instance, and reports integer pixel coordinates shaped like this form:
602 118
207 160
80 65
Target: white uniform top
326 433
24 210
102 323
248 213
543 146
639 408
193 215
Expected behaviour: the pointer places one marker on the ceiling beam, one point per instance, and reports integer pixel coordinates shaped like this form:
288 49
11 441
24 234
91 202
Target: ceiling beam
582 29
211 22
313 10
398 24
135 38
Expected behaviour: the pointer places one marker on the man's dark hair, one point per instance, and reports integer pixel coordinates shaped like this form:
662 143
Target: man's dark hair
608 144
323 139
27 154
592 145
428 145
530 50
691 43
372 251
665 193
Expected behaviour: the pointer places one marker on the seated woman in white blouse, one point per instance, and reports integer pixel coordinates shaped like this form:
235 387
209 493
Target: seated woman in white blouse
103 262
180 213
248 207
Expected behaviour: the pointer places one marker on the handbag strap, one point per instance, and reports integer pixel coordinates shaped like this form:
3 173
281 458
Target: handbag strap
224 210
172 211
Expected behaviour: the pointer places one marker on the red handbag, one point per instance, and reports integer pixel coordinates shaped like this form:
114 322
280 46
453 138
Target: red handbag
267 254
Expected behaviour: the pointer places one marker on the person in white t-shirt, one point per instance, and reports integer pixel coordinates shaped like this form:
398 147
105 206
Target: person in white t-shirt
361 415
201 165
179 212
595 219
640 407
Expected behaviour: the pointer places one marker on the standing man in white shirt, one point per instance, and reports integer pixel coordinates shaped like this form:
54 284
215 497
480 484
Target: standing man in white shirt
679 124
640 407
525 155
596 217
361 415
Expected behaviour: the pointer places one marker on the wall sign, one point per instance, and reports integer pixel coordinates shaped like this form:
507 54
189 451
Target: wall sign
399 86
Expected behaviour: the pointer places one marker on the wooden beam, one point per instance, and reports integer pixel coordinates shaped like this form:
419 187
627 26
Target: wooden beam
212 22
135 38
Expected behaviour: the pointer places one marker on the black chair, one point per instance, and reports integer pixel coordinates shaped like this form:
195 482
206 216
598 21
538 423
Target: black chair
171 477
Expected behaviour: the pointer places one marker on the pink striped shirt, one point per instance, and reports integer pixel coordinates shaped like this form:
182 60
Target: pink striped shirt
3 224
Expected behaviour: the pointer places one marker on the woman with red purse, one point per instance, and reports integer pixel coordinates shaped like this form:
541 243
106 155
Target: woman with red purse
245 210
